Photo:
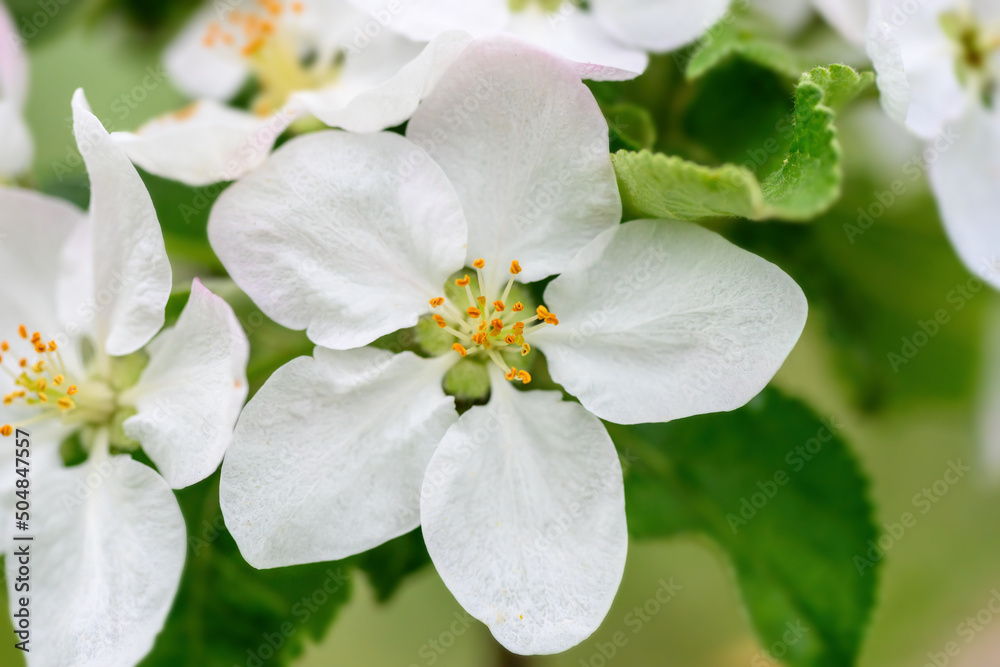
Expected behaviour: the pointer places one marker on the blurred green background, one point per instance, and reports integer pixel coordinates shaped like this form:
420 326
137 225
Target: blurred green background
865 296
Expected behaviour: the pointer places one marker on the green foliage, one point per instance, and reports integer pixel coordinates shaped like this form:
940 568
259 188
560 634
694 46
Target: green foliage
226 611
778 489
808 182
749 37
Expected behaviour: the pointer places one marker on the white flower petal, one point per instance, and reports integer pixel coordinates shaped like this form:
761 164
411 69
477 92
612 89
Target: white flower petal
105 562
526 147
330 454
523 513
200 71
910 44
13 62
383 83
16 146
658 25
661 320
205 143
190 394
31 229
423 20
965 179
576 35
849 17
345 235
131 270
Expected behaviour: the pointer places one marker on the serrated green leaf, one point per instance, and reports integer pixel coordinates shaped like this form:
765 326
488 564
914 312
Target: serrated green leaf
808 182
790 510
749 37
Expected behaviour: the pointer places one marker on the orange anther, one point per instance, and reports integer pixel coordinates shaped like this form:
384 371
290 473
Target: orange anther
518 307
22 332
515 268
473 312
58 380
498 306
297 7
437 301
510 339
479 263
460 349
462 282
65 403
524 377
440 321
52 346
6 429
4 346
40 348
71 390
511 374
552 319
479 338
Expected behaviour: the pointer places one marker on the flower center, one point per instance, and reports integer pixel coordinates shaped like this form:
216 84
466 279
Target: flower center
486 325
267 37
43 382
975 44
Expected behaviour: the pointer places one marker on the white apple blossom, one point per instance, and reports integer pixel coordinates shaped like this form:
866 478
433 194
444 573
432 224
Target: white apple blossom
84 295
937 63
311 59
607 41
505 169
16 147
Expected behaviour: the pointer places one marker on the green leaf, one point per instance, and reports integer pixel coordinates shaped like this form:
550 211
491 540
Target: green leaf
808 182
749 37
226 611
631 125
778 489
390 564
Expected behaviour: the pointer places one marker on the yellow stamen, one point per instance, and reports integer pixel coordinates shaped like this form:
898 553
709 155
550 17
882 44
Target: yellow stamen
58 380
66 403
42 397
525 349
515 268
41 385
